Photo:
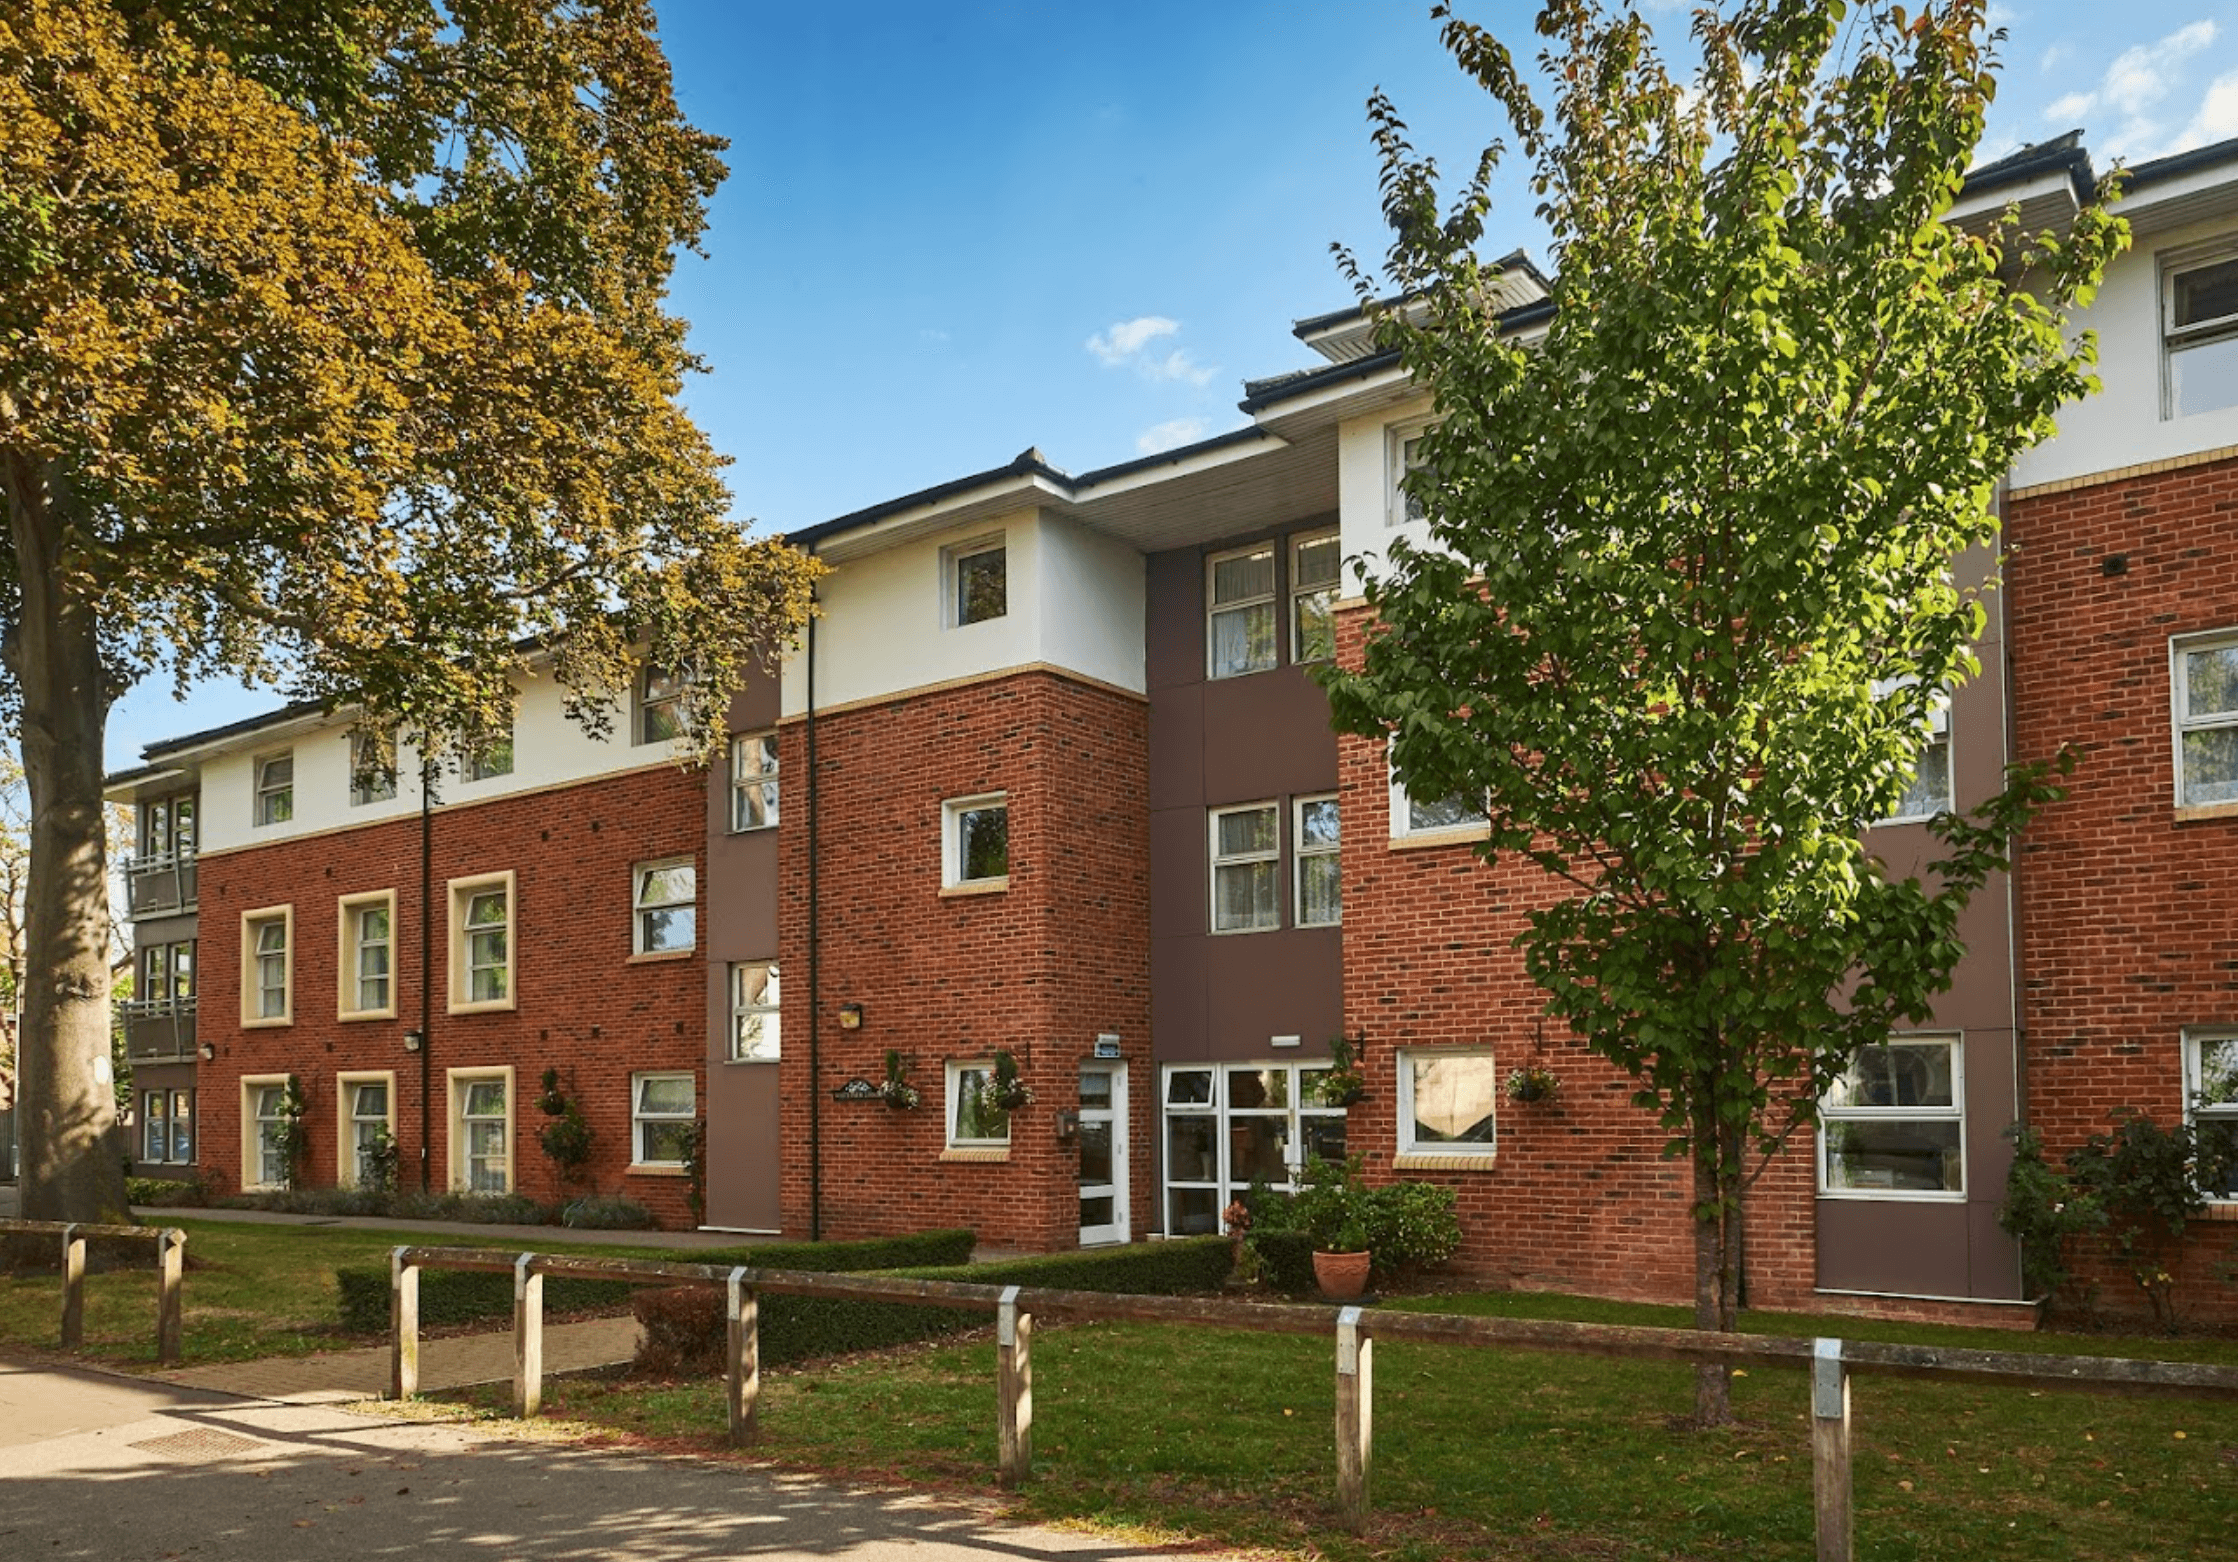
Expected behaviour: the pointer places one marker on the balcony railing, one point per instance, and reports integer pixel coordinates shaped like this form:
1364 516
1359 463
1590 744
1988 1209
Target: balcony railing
158 1030
159 884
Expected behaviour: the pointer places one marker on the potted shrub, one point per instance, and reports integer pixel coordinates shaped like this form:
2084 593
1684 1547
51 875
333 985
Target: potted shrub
1335 1210
1533 1082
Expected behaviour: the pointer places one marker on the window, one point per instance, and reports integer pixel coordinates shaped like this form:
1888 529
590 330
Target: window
275 788
367 956
1228 1126
372 767
368 1128
2202 335
660 705
1315 563
1448 1103
1894 1123
167 824
974 1121
482 1130
979 582
268 966
1241 617
1403 455
753 1012
167 1126
2211 1105
662 1115
1929 791
488 754
482 943
1246 869
2205 674
167 976
753 781
1412 815
1320 877
666 916
975 842
264 1162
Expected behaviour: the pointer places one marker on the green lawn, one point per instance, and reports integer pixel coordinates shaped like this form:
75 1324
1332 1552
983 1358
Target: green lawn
1226 1436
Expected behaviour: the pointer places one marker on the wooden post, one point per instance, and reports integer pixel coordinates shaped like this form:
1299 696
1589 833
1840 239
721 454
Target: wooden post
528 1337
743 1312
73 1287
1355 1418
170 1259
1014 1388
404 1326
1830 1469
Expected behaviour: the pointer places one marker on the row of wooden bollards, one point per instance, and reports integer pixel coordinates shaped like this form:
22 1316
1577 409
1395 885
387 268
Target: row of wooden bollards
170 1269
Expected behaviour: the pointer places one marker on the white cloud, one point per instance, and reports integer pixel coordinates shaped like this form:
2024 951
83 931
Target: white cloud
2071 109
2055 56
2139 78
2217 119
932 334
1165 436
1125 346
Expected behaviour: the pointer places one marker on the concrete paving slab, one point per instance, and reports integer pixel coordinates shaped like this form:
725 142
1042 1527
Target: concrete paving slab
457 1361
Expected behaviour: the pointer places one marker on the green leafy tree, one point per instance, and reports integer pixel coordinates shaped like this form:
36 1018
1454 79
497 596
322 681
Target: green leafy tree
1691 594
335 356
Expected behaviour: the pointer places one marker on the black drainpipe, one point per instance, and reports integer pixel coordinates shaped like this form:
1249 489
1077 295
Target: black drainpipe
815 968
427 952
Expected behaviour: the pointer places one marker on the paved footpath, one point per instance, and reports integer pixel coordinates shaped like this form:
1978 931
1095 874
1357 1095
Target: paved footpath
445 1363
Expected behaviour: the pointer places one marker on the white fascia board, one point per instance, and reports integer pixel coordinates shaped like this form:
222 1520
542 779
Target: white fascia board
1183 465
2053 186
1025 491
2206 194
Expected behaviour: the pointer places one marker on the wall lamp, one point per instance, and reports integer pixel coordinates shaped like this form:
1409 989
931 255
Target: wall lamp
208 1051
850 1016
414 1040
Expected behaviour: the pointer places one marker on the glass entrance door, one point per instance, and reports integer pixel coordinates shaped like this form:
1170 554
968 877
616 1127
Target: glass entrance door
1103 1153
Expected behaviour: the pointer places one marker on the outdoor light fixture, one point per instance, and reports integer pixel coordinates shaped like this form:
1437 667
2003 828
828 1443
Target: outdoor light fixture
209 1051
414 1040
850 1016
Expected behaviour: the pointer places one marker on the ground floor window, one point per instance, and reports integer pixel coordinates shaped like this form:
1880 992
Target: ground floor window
1449 1103
2211 1104
368 1129
1894 1124
167 1126
662 1112
482 1131
264 1122
1232 1124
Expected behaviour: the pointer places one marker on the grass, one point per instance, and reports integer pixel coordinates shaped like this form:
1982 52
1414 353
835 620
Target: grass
251 1290
1226 1437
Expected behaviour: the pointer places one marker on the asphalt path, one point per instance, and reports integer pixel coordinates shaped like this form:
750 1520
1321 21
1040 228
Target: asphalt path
103 1467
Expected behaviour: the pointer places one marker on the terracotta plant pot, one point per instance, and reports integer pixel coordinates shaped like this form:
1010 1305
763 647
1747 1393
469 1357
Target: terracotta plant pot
1341 1276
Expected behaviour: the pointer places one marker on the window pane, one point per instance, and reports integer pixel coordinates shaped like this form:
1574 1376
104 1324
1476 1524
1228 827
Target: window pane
1095 1152
486 909
2206 293
1929 792
485 1098
1897 1075
271 937
1257 1149
1244 896
1243 640
2218 1072
668 886
1454 1099
664 1143
982 586
1320 891
2211 765
1258 1088
1245 576
1317 563
1189 1087
2203 377
669 1094
1315 628
1323 1138
668 931
977 1117
1192 1148
2211 681
1443 813
1317 824
1246 831
1192 1212
372 1101
983 843
1893 1153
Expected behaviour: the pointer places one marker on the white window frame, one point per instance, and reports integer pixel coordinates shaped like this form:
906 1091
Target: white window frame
346 1120
1938 735
252 988
2179 700
252 1135
952 814
2196 1038
460 894
1395 468
455 1083
952 562
1330 590
348 979
372 767
1418 1152
1954 1113
2176 339
760 783
642 911
1402 817
640 1119
1225 1183
953 1073
768 1010
1270 601
660 697
489 756
274 800
1302 853
1252 860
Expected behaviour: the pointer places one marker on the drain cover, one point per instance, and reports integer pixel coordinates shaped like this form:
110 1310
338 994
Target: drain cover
200 1444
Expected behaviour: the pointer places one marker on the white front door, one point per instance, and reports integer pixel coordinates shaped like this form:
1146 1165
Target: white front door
1103 1153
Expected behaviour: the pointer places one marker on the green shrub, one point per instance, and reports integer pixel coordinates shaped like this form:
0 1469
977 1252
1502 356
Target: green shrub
608 1212
166 1192
1285 1260
1405 1225
1412 1225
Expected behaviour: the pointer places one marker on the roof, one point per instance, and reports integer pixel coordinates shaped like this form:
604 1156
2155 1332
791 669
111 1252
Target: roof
2181 163
293 711
1260 394
2061 154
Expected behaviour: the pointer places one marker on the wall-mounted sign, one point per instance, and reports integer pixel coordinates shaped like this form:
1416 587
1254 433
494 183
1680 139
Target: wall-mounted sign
857 1090
1107 1045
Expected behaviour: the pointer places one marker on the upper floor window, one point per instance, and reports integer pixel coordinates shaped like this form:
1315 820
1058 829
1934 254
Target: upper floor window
1403 454
660 705
2211 1104
367 954
1246 869
2205 678
488 754
1928 792
754 1012
482 942
167 825
275 788
665 907
1412 815
1314 566
1241 627
978 582
268 966
167 973
2201 334
372 767
975 842
1895 1122
1319 874
753 781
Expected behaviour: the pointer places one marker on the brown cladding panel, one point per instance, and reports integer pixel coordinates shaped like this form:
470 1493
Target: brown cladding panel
1261 985
1177 998
1910 1249
1267 735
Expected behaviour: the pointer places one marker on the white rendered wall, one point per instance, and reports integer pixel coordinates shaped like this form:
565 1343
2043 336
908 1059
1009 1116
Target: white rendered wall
548 750
2122 425
1074 601
1364 484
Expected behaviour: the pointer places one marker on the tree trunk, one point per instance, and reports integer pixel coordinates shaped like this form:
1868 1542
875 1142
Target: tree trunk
1713 1381
65 1094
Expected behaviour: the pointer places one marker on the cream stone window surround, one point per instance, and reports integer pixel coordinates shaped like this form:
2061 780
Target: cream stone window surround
470 947
260 958
346 1118
253 1086
456 1086
351 978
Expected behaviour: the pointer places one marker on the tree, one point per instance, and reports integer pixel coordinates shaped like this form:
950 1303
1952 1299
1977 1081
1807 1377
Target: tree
336 358
1690 599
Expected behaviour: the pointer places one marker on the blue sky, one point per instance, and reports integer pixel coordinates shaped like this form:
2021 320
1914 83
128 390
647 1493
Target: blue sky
953 230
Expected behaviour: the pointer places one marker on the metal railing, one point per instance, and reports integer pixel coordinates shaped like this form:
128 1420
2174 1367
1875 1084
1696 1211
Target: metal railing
1830 1361
160 883
170 1268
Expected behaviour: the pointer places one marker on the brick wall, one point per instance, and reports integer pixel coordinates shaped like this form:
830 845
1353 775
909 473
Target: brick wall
1040 968
585 1006
2129 915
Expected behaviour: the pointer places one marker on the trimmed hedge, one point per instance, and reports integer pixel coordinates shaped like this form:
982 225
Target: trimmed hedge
450 1296
165 1193
684 1330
